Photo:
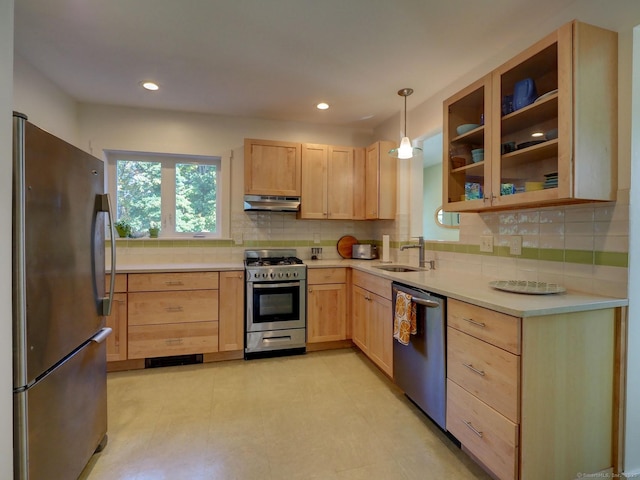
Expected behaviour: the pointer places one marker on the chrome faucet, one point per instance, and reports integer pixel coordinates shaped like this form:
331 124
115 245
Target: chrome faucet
420 245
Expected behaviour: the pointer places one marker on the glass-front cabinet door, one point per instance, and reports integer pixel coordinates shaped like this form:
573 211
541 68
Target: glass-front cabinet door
529 108
550 127
466 138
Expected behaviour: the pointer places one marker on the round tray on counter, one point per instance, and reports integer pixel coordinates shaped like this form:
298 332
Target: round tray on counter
528 287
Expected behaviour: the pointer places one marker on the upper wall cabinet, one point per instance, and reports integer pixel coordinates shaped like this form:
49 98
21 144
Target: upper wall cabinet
272 168
327 182
539 130
380 181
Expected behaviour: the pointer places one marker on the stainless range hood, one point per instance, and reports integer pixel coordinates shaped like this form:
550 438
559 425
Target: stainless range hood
270 203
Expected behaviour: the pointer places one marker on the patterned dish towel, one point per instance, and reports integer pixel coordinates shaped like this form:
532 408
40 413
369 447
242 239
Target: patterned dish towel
404 318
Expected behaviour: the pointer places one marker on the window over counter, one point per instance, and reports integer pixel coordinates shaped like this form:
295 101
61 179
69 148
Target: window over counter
182 195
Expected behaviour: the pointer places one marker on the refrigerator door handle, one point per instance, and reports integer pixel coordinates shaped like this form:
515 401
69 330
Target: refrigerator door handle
102 335
108 301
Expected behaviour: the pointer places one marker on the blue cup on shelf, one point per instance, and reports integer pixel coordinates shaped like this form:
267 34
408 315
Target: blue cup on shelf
507 104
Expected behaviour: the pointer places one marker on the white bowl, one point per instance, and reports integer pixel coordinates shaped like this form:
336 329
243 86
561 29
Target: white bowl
466 127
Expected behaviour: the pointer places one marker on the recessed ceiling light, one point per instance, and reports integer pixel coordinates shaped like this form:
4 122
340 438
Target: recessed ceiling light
150 86
322 106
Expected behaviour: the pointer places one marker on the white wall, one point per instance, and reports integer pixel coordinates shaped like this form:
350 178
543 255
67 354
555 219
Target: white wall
6 357
632 433
119 128
43 102
432 181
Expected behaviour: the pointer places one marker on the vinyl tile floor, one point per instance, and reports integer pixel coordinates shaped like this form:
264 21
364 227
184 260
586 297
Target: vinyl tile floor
321 416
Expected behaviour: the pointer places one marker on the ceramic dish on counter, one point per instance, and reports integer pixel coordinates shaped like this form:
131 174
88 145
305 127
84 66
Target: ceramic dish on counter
527 287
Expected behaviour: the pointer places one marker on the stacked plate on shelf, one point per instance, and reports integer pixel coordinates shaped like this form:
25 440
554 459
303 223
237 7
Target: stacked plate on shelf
551 180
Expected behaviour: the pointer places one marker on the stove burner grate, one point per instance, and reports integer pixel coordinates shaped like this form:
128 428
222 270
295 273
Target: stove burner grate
267 262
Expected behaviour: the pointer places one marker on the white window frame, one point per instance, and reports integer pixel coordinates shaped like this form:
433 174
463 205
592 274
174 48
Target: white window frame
168 162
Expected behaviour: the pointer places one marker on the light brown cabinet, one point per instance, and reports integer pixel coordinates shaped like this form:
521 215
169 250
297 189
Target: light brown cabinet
272 168
326 304
372 319
562 148
360 318
327 182
117 321
359 181
172 314
231 319
522 394
380 182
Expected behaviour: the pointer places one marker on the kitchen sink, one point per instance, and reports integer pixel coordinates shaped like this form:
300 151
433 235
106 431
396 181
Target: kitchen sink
399 268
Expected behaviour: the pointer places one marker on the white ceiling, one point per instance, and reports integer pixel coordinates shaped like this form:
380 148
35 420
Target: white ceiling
268 58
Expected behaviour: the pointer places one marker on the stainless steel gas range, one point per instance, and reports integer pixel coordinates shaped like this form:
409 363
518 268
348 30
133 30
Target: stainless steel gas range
276 306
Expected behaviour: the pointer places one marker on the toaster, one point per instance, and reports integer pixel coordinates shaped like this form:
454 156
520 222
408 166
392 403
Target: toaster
364 251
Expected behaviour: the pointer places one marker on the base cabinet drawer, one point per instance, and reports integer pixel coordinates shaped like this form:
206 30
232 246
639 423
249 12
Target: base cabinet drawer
488 372
493 327
489 436
160 282
148 341
147 308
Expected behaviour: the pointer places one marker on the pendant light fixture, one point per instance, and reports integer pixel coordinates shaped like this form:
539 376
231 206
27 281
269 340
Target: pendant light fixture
405 150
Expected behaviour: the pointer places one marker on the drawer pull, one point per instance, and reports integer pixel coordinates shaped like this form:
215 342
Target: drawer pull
471 427
173 283
173 341
473 322
174 309
473 369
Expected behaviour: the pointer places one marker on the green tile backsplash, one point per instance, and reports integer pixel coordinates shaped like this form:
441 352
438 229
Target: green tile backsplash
585 257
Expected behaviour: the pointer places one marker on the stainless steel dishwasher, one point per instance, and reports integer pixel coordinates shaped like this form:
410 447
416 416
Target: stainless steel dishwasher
419 368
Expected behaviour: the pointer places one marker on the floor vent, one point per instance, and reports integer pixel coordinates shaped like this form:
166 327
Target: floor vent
172 361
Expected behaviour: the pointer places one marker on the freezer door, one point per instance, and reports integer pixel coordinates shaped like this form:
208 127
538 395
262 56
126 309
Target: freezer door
65 417
63 252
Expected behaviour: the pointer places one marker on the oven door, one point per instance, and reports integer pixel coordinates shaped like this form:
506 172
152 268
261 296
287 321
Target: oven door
275 305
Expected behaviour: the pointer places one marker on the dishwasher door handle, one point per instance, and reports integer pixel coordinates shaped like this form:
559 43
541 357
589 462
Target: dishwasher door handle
425 303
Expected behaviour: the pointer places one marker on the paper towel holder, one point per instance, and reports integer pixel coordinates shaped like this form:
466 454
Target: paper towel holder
384 258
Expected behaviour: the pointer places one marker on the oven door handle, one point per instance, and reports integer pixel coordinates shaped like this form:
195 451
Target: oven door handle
275 285
285 338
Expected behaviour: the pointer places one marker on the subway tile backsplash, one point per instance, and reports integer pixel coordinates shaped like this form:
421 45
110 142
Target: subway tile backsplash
583 247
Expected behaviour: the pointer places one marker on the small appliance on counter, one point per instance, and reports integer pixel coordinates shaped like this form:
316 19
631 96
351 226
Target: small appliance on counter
364 251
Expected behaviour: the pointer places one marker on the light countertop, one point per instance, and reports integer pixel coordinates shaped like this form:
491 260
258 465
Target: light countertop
476 290
453 284
178 267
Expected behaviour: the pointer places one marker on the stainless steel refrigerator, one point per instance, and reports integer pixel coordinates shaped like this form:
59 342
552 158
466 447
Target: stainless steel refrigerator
59 305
